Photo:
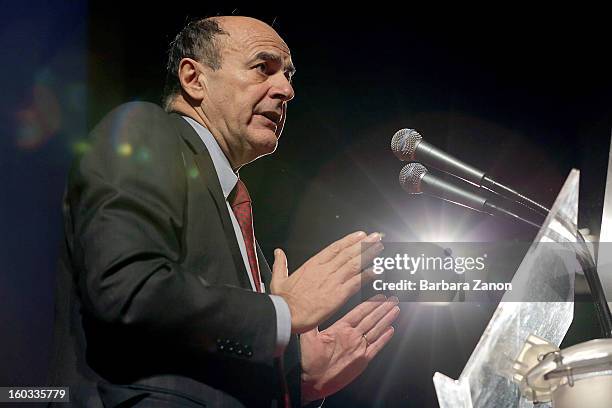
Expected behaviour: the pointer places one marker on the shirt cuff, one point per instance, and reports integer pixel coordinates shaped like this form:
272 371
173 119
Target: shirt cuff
283 324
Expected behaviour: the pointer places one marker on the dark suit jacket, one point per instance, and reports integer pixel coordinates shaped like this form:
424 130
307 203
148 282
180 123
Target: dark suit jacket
154 305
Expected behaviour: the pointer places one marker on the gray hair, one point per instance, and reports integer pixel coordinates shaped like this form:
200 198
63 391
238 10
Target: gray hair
197 40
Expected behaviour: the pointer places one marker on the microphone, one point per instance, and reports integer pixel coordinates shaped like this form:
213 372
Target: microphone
408 145
415 179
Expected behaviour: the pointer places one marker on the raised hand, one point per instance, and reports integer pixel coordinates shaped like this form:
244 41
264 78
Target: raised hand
334 357
323 284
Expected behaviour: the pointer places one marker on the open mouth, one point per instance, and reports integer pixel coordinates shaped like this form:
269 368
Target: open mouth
273 118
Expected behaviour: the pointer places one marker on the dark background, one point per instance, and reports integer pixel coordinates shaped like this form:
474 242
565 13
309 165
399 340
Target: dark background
525 97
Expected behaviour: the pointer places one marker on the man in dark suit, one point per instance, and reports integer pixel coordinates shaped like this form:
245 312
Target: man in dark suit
164 296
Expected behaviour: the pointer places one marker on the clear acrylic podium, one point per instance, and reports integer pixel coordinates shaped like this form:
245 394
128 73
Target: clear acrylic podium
543 307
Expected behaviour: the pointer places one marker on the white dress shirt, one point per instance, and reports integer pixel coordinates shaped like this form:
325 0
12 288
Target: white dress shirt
228 180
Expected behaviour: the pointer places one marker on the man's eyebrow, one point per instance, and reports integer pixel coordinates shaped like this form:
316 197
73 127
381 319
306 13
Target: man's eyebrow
269 56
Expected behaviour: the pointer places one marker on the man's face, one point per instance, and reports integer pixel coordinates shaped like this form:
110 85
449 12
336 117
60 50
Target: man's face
246 99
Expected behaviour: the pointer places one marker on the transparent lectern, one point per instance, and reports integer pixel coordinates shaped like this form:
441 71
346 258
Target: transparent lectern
541 304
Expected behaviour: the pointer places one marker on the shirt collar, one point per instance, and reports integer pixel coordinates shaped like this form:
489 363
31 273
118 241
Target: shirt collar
227 177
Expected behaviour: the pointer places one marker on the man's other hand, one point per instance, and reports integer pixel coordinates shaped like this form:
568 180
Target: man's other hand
324 283
333 358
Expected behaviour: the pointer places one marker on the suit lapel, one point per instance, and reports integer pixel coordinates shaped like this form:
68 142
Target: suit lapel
207 170
264 268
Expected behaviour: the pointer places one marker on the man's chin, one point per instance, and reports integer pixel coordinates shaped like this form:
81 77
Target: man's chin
263 141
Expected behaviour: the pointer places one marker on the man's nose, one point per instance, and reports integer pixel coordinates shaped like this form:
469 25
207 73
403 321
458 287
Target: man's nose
281 88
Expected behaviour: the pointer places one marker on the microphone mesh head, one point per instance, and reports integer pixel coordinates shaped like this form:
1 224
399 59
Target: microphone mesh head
404 144
410 177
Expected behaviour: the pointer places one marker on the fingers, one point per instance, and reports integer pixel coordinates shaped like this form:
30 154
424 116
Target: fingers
360 261
354 283
367 275
382 324
362 310
279 269
376 316
368 245
333 250
374 347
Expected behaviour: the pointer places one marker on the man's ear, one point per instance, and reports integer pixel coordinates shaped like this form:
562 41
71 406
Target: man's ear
189 77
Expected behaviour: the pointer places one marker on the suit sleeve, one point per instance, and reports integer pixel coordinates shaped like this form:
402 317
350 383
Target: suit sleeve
126 199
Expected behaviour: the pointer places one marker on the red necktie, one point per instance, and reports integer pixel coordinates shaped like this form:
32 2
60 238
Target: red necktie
240 201
241 205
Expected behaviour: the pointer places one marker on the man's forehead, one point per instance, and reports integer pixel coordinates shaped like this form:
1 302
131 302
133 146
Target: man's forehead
252 36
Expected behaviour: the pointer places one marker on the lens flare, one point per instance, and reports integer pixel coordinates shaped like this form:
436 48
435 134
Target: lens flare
124 149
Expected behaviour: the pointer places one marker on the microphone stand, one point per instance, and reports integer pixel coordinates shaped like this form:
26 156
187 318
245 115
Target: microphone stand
415 174
507 193
495 209
588 265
